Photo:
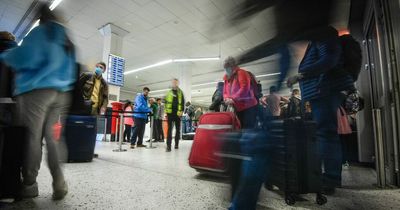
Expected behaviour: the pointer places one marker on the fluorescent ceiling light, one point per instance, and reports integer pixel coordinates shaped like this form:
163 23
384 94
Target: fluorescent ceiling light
55 4
156 91
210 83
202 84
149 66
52 7
268 75
196 59
170 61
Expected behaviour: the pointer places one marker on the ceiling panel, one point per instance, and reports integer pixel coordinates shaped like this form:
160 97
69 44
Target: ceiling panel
160 30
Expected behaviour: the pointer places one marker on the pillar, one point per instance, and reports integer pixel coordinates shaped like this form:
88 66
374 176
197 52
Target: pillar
185 80
113 40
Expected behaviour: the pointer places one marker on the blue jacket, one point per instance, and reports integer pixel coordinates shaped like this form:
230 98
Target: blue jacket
141 106
322 70
42 62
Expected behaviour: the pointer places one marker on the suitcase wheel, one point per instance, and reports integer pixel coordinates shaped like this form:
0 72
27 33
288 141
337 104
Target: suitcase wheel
320 199
290 199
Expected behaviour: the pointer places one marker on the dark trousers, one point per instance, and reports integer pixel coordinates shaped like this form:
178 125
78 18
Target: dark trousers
173 119
127 132
324 112
160 129
248 117
154 128
138 132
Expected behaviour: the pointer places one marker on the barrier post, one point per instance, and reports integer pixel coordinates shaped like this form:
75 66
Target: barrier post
105 129
151 133
121 136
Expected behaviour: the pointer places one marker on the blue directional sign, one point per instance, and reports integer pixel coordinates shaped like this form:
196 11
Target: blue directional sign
116 68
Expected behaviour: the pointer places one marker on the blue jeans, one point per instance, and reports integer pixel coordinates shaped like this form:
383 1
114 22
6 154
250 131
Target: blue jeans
254 144
324 111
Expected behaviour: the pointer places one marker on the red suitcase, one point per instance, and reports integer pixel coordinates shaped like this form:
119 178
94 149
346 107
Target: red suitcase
206 144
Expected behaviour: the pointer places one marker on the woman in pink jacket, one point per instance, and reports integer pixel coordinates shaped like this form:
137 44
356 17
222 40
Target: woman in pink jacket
128 121
238 92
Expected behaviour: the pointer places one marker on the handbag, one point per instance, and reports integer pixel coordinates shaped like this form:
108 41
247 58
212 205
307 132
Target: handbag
343 122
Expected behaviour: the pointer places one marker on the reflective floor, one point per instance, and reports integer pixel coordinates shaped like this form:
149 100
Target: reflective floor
153 179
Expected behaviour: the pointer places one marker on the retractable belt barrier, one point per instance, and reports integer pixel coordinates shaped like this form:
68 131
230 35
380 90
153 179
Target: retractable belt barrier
120 118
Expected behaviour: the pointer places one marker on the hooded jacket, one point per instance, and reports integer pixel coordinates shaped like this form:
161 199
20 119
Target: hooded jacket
141 106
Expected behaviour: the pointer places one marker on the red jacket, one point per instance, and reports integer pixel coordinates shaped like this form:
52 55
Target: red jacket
238 88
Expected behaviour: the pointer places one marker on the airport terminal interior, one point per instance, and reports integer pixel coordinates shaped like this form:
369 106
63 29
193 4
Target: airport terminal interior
154 69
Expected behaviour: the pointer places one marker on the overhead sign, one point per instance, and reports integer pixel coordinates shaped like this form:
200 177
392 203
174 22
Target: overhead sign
116 68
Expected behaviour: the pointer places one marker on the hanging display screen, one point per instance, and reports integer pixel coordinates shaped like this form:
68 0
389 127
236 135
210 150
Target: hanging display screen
116 68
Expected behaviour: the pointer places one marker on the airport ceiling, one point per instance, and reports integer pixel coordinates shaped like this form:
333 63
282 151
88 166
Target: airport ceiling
161 30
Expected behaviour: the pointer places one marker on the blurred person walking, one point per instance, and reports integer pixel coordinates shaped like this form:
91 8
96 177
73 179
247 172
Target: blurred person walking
140 118
295 108
322 79
174 106
95 89
128 120
45 69
188 115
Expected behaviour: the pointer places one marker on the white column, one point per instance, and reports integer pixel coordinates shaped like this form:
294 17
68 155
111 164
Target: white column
113 40
185 80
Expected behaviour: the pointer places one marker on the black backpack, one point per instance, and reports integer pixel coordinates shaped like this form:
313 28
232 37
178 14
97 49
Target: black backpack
255 86
352 55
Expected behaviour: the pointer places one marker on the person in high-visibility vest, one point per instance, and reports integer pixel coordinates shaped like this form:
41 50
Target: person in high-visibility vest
174 105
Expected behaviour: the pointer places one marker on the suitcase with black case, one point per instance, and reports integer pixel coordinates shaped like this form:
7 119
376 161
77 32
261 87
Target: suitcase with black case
295 166
80 135
12 141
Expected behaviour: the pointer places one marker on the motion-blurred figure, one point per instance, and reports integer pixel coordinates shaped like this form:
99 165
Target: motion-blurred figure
295 108
321 82
45 74
95 89
7 42
296 20
217 98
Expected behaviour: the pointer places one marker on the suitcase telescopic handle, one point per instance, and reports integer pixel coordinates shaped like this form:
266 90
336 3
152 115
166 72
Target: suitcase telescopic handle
227 108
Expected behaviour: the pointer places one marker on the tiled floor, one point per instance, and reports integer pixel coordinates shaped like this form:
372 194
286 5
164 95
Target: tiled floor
153 179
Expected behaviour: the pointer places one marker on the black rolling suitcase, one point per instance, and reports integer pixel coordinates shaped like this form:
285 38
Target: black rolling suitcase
295 163
80 135
12 141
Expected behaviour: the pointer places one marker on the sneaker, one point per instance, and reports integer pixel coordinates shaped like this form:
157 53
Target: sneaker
132 146
141 145
30 191
168 149
60 192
